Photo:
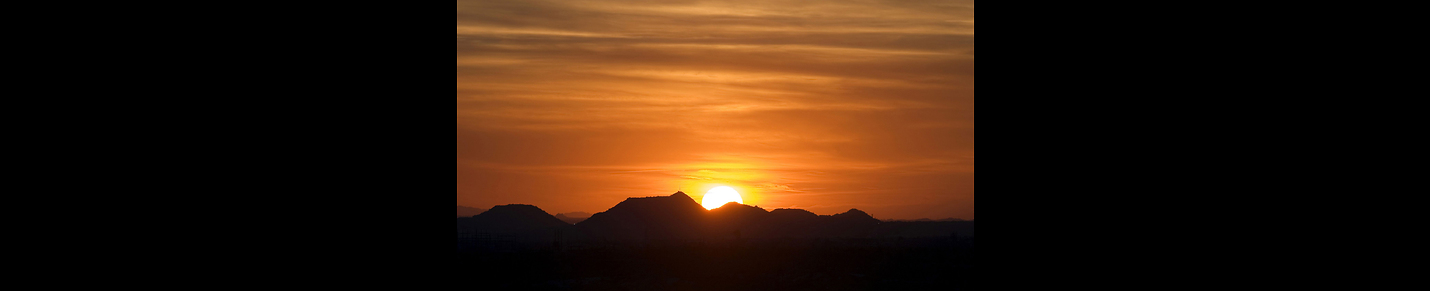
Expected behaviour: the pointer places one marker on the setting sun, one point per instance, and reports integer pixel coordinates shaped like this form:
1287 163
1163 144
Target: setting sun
720 196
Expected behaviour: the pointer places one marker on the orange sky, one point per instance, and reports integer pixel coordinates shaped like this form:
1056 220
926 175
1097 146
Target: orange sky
821 105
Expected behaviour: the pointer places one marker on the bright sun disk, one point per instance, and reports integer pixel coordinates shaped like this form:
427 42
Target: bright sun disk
720 196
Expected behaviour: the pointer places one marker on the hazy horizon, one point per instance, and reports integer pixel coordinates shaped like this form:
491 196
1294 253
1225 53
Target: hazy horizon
589 213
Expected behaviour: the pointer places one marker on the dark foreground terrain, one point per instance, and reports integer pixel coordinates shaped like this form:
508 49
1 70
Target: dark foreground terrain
673 243
824 264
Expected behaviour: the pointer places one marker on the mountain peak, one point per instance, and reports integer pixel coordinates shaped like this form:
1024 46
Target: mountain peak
512 217
661 217
516 210
577 214
736 206
856 214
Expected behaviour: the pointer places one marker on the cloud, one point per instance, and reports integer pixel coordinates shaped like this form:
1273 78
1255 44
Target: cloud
575 105
777 188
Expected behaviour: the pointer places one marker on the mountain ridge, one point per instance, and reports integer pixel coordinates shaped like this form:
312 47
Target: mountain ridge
678 217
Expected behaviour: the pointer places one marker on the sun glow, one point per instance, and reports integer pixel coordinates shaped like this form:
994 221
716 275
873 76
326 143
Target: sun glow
720 196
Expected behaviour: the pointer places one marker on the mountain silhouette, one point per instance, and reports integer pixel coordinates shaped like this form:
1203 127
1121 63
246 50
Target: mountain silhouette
856 216
511 224
679 218
673 243
574 217
463 211
674 217
735 220
793 215
517 216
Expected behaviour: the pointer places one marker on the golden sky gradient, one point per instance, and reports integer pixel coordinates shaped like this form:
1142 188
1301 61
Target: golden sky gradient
821 105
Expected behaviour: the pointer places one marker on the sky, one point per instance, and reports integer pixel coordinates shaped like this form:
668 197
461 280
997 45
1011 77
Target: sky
819 105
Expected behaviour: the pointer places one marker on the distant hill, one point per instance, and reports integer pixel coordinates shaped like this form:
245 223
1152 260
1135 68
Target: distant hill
513 224
574 217
463 211
747 222
674 217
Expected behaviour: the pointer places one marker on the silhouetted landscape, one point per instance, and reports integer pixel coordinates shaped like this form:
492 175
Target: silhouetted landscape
828 145
673 243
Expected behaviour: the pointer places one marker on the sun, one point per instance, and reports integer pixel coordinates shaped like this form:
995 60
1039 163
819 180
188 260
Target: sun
720 196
